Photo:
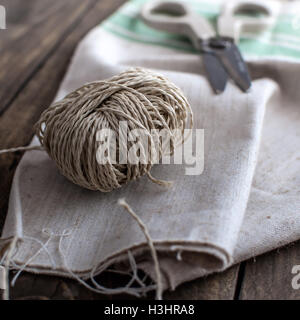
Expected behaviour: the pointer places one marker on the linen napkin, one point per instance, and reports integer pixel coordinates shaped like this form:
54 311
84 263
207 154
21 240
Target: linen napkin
244 199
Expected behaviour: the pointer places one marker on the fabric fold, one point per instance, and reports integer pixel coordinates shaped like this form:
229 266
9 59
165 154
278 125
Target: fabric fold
206 221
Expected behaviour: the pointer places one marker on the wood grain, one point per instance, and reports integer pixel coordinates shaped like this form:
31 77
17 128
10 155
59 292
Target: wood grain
26 46
269 276
219 286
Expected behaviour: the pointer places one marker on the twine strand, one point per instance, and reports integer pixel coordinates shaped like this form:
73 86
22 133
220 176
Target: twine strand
68 130
143 227
28 148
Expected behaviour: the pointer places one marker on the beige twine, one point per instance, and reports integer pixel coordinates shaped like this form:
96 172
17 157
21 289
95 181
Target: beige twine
67 130
144 229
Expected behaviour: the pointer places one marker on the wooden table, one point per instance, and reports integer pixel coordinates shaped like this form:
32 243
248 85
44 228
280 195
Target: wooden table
35 49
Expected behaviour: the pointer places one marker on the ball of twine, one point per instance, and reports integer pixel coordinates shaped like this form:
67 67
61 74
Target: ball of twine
67 130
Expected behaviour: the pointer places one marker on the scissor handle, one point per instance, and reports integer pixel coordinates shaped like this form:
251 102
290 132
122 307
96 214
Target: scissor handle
231 26
176 17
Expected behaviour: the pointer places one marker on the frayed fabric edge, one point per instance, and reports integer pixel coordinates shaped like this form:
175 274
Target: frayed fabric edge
7 259
84 276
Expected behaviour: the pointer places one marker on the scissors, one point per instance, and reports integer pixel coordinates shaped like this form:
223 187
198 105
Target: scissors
221 56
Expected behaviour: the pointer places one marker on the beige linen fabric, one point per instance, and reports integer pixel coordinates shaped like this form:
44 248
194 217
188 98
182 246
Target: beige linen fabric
244 203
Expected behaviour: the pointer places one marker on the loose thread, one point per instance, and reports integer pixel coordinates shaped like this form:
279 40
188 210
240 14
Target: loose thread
11 249
135 269
28 148
143 227
7 257
43 247
163 183
100 289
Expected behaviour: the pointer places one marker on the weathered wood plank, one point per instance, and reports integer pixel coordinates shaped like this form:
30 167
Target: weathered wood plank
269 276
26 46
219 286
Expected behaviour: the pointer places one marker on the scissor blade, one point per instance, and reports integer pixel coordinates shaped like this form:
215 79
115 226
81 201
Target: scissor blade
235 66
216 74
